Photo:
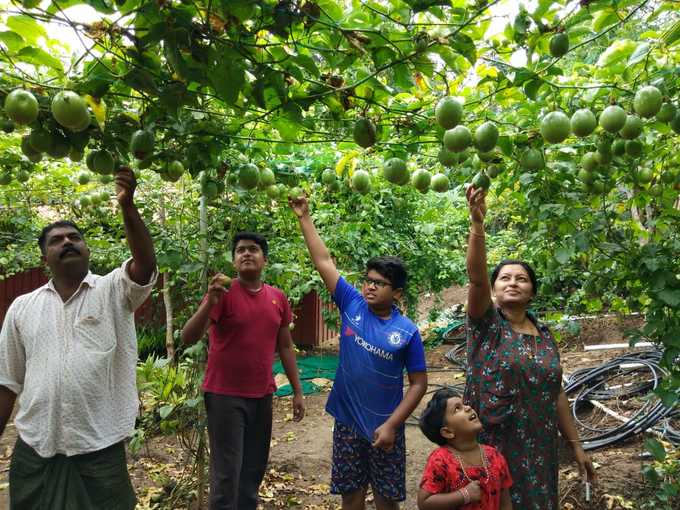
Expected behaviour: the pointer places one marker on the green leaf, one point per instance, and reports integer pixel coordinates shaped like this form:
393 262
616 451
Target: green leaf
165 411
38 57
563 254
531 88
171 258
29 29
672 35
506 145
448 55
307 63
104 6
227 78
542 8
639 54
464 45
652 263
12 40
668 398
331 9
241 9
154 34
99 78
428 229
656 449
616 52
523 75
402 76
670 297
287 129
605 18
193 402
190 267
141 79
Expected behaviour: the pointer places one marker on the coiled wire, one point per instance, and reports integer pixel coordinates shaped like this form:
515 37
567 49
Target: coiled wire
595 384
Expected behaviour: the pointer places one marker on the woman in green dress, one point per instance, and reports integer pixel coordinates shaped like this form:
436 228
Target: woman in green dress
514 376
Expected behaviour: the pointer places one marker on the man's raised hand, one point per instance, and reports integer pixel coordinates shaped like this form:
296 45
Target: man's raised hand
299 205
219 285
126 183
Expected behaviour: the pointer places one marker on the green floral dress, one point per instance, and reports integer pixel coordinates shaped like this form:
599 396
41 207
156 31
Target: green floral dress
513 381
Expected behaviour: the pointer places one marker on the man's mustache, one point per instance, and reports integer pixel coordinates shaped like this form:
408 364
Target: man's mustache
68 249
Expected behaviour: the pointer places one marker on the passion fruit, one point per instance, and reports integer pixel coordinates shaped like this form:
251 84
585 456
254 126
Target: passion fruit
559 44
70 110
481 180
21 106
395 171
647 101
448 112
457 139
532 159
486 137
632 128
364 133
142 143
583 122
421 179
555 127
613 118
361 181
440 183
249 176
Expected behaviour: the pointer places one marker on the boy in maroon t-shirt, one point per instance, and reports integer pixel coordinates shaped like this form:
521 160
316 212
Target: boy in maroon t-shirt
246 322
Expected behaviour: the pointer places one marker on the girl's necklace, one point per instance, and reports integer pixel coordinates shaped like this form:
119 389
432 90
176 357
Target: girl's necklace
462 466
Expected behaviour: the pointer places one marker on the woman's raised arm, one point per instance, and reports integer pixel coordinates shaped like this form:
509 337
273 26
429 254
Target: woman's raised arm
479 295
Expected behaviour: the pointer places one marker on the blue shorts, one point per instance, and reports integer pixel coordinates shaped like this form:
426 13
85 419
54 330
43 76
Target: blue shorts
356 464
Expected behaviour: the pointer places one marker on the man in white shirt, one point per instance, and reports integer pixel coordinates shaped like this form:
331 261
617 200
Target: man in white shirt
68 352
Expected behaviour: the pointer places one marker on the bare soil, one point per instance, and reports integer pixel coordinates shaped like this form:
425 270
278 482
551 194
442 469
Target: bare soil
299 469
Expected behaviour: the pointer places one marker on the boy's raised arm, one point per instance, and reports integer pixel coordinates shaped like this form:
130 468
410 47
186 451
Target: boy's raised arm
321 257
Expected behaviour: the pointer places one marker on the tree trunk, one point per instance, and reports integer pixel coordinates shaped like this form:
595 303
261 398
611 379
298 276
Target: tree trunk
201 453
203 233
167 298
169 329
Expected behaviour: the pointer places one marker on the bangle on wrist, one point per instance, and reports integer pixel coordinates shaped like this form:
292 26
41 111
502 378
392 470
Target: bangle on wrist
477 234
466 495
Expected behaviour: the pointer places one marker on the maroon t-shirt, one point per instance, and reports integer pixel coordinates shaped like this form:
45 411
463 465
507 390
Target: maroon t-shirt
243 341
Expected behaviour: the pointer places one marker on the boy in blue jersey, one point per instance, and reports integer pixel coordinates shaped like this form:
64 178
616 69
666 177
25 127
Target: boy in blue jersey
367 400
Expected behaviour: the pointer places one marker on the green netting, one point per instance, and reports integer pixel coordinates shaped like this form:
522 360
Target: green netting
452 332
311 367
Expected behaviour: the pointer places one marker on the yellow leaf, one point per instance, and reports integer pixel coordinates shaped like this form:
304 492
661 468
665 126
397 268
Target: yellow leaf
343 161
98 107
422 83
133 116
352 167
484 71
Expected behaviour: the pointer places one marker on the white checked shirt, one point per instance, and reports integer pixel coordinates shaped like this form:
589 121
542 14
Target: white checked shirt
72 364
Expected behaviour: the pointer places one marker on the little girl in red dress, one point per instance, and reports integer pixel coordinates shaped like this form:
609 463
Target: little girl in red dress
461 473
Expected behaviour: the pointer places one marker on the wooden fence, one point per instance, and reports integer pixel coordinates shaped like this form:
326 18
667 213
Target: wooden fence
17 285
310 329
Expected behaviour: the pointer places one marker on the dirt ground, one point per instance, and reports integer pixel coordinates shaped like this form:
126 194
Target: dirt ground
299 469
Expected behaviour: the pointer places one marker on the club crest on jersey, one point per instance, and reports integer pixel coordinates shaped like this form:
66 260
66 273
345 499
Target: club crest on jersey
394 338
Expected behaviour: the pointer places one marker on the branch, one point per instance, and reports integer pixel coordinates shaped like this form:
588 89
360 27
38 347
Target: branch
596 36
